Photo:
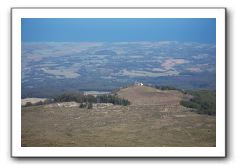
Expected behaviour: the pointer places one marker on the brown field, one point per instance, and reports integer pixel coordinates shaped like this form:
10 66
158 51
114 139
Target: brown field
154 118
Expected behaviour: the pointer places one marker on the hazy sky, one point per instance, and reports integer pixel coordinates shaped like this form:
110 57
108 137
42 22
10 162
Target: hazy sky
201 30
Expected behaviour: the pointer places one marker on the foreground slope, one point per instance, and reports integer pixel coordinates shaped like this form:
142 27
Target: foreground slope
154 118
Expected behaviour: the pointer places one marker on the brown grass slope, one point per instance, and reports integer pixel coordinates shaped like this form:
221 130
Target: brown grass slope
154 118
144 95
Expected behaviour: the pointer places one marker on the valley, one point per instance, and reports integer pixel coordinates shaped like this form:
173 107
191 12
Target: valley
51 68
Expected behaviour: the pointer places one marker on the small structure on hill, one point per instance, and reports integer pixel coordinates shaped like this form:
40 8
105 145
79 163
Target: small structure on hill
139 84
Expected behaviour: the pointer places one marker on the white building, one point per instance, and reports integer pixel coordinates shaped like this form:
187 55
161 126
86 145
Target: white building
139 84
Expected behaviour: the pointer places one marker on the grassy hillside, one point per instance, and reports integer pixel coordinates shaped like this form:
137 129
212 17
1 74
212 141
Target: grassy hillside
153 119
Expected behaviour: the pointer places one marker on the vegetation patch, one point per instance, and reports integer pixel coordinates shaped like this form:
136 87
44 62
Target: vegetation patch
204 101
166 88
87 100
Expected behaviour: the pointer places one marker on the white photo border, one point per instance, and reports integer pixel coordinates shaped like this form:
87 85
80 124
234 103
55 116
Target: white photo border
116 12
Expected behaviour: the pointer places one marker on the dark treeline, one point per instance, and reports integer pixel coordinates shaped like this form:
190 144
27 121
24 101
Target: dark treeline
81 98
203 101
166 88
162 87
86 101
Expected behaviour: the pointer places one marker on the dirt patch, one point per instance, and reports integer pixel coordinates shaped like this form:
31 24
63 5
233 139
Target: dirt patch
63 104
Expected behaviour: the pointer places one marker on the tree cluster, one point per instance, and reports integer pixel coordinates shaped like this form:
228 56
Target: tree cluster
203 101
165 88
87 100
87 105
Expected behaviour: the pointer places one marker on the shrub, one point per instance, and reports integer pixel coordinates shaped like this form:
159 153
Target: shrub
83 105
90 105
28 104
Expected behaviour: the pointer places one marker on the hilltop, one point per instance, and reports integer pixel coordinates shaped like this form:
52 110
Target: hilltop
144 95
154 118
